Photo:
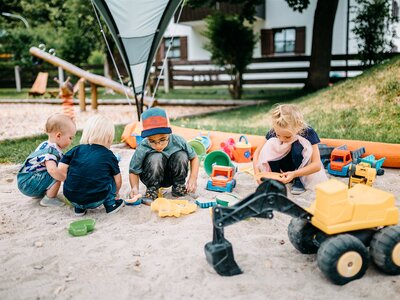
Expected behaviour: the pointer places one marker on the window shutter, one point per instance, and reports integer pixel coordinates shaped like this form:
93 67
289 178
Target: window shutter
184 47
161 51
158 55
267 42
300 44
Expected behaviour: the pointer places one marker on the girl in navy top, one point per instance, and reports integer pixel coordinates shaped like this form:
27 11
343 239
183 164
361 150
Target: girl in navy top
291 148
93 177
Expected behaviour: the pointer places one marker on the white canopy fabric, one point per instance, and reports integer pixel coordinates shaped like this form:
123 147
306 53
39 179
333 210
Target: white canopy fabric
137 27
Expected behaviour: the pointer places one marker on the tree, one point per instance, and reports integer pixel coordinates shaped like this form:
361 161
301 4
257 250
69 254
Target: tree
248 7
15 41
321 49
69 26
223 33
81 34
373 30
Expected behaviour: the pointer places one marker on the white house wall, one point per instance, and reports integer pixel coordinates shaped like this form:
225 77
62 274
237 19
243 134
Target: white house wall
196 40
278 14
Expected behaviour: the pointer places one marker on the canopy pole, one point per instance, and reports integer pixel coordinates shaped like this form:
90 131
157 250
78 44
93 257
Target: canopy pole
166 54
140 105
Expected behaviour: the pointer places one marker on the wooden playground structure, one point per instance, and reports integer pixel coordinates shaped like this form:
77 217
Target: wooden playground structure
85 76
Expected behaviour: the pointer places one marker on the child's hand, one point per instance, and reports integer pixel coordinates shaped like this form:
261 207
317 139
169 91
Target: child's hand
258 178
134 192
191 185
288 177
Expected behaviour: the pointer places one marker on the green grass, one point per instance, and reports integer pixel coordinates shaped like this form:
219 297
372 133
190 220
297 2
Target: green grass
16 150
244 120
183 93
222 93
13 94
362 108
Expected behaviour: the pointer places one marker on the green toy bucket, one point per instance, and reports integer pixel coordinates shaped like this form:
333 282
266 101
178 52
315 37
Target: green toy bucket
198 147
216 157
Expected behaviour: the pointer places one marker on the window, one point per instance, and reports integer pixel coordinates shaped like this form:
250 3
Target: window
175 51
284 40
395 9
290 40
178 49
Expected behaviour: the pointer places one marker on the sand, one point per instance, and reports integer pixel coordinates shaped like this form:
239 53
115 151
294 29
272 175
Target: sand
135 254
21 120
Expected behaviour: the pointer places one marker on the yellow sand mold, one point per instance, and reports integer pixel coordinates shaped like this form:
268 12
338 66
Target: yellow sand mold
172 208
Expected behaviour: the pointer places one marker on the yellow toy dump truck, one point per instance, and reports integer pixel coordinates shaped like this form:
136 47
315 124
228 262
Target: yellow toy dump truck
361 173
340 226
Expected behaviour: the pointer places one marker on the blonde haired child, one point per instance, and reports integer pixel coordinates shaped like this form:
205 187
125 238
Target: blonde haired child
93 177
291 148
39 175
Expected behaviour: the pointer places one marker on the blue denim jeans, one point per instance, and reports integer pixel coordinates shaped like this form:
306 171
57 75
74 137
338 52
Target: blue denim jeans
35 184
108 201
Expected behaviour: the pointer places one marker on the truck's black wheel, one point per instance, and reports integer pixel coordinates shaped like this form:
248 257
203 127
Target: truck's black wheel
380 172
301 234
343 258
385 249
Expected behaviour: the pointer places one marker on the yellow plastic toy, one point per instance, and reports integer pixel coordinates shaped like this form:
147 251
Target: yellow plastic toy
345 228
337 209
361 173
268 175
172 208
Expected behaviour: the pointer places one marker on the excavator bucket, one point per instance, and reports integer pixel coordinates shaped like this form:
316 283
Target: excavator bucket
220 256
269 196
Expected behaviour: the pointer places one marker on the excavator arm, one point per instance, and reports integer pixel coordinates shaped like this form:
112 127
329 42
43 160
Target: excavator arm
270 196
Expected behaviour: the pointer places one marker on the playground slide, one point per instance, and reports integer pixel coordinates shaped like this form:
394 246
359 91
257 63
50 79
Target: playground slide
390 151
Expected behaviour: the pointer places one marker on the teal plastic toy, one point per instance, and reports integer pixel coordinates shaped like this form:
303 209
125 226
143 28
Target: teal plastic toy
81 227
205 203
199 148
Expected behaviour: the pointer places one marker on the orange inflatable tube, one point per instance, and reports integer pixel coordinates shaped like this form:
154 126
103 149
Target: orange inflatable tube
390 151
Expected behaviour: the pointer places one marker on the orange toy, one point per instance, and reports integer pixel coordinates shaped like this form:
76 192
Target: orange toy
66 95
242 151
390 151
221 175
132 134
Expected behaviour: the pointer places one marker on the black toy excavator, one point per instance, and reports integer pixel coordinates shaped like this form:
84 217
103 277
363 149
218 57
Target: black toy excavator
339 226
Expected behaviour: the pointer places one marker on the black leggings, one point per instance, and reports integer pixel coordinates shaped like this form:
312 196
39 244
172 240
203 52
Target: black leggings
160 171
291 161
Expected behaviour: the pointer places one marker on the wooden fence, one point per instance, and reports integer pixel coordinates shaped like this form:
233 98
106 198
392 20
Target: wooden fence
28 74
278 70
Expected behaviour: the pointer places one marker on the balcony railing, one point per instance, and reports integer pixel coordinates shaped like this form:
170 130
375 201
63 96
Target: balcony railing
197 14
